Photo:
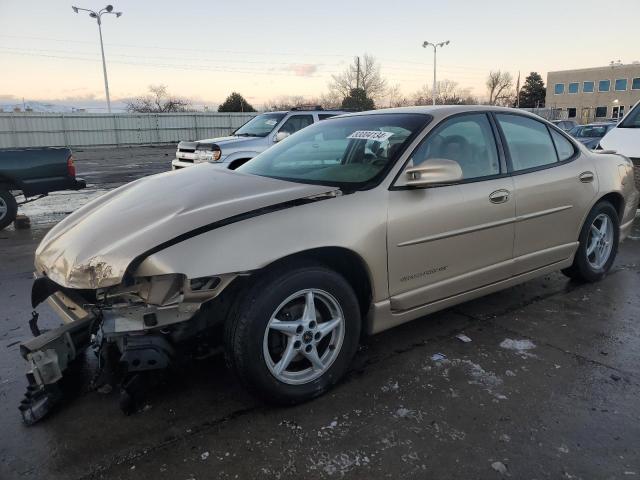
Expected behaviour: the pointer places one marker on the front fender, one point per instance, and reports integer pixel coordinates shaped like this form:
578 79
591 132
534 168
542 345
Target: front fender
347 222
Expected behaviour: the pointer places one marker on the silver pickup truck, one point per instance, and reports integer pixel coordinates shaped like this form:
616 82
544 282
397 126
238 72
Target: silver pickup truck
252 138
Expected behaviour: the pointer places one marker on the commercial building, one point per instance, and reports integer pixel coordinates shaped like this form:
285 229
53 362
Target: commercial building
594 94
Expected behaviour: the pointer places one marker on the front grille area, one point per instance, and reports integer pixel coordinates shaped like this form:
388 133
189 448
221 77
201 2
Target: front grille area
187 150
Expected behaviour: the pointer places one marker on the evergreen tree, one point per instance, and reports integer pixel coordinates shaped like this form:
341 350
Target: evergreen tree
533 91
236 103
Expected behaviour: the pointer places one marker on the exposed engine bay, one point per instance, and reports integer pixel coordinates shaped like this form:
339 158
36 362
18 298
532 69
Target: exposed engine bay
142 326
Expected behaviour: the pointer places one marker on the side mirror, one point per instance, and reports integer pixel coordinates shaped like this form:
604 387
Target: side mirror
281 136
436 171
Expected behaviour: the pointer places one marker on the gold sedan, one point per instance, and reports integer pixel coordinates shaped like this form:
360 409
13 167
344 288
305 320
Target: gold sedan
353 225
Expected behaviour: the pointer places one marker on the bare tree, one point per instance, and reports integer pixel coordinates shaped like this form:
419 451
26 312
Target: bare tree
330 100
285 102
500 88
158 101
396 98
367 77
449 93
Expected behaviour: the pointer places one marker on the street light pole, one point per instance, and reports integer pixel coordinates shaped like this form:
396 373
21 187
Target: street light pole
435 48
98 16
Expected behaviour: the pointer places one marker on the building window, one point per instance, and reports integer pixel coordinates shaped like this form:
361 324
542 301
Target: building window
559 90
604 85
601 112
587 87
621 85
635 84
571 112
573 87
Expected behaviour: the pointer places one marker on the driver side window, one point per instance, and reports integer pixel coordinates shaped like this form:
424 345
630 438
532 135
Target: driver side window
466 139
295 123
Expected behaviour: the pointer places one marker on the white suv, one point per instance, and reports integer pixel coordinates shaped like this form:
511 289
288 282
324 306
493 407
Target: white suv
625 139
252 138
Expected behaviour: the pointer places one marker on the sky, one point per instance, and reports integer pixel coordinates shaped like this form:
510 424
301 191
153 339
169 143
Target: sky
203 50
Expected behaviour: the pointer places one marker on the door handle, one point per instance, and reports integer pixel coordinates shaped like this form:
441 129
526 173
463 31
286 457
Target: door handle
586 177
499 196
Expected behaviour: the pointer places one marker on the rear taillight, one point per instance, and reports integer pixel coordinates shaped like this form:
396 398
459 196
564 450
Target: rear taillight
71 168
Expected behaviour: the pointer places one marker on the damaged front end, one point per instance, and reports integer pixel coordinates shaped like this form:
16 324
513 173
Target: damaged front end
134 327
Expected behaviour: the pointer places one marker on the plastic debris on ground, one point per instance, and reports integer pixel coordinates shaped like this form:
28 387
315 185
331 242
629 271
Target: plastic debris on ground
463 338
499 467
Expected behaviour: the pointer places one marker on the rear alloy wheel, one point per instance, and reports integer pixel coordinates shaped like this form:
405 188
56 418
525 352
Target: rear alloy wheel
8 208
598 244
294 333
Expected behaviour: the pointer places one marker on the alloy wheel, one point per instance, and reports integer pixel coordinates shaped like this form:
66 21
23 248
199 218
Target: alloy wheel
4 208
304 336
600 241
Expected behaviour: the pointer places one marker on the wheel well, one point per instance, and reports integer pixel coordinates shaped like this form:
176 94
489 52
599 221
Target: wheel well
236 163
343 261
615 199
7 184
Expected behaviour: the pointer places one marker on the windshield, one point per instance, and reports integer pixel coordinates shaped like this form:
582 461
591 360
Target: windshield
348 151
633 118
591 131
260 126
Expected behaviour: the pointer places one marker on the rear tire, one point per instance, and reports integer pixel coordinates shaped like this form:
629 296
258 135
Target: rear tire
598 244
305 351
8 208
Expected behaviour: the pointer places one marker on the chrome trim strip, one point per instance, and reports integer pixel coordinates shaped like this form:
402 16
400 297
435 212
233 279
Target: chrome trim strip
542 213
484 226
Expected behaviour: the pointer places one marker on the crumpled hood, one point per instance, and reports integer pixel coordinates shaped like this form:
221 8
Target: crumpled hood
93 247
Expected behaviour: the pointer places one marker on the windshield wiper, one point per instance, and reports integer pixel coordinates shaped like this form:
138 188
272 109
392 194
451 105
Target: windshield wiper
247 135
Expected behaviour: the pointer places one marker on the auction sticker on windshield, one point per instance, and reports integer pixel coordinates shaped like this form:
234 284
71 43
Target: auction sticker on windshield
375 135
271 123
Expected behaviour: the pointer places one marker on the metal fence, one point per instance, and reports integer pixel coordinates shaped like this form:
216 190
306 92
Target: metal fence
86 129
548 113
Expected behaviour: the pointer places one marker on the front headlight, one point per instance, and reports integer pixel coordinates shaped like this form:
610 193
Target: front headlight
208 153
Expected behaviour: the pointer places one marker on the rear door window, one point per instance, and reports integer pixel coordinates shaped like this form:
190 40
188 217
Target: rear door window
528 141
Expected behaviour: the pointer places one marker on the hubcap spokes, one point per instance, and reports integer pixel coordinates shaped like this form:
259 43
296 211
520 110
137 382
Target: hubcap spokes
600 241
309 329
3 208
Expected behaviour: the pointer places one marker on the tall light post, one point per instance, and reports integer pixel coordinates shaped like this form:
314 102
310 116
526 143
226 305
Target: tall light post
108 10
435 48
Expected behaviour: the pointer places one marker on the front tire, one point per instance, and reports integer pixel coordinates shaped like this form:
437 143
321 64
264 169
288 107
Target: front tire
8 208
598 244
293 334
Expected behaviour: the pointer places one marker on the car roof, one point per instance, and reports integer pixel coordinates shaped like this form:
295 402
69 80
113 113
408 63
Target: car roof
443 111
305 111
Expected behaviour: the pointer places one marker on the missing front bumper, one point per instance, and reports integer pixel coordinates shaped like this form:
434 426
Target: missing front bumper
48 356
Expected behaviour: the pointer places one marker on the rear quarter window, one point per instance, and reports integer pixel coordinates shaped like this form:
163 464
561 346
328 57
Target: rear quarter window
565 148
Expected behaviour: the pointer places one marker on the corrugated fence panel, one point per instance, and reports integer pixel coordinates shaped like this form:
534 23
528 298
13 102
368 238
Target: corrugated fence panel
86 129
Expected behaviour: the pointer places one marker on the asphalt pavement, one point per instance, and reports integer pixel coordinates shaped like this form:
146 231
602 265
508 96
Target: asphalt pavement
546 388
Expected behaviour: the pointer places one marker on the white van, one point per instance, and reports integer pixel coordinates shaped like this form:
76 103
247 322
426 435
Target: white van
625 137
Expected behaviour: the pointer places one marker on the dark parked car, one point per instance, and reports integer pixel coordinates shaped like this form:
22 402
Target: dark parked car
565 125
591 134
34 172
